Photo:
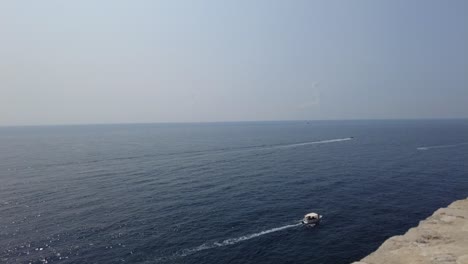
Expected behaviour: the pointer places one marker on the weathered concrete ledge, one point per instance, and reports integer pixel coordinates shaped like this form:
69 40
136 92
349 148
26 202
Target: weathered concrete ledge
441 238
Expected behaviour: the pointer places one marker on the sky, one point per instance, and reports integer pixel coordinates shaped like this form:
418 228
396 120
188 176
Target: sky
139 61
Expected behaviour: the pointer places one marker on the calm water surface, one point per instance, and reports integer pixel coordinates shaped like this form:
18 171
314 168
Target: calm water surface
222 192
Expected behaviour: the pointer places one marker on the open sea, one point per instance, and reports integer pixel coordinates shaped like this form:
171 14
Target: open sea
222 192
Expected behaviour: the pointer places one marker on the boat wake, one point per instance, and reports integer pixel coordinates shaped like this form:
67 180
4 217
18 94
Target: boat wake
311 143
232 241
198 153
270 147
442 146
223 243
283 146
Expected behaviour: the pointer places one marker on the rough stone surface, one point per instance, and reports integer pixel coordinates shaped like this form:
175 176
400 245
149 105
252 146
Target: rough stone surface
440 239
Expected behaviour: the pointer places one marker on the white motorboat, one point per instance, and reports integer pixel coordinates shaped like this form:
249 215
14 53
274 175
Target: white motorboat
311 219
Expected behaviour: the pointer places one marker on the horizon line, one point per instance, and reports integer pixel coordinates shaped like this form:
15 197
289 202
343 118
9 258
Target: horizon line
239 121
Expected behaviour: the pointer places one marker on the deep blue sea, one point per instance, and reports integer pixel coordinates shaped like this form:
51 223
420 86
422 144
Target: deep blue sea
222 192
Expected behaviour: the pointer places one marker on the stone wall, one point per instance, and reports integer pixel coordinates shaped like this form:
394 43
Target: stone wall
441 238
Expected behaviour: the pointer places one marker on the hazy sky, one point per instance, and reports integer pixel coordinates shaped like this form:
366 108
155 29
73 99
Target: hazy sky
88 61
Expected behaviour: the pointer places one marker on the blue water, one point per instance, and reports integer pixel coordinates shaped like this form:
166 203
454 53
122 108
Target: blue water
222 192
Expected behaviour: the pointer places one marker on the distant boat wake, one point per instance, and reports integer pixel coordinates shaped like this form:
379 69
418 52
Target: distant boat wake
442 146
270 147
311 143
227 242
199 153
293 145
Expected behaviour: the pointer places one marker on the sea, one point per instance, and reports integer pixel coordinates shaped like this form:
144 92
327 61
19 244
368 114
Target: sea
222 192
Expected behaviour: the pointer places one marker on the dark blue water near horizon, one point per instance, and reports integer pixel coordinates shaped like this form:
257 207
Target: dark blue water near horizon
222 192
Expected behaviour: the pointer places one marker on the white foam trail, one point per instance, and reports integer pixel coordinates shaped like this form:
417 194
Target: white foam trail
260 148
442 146
232 241
312 143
